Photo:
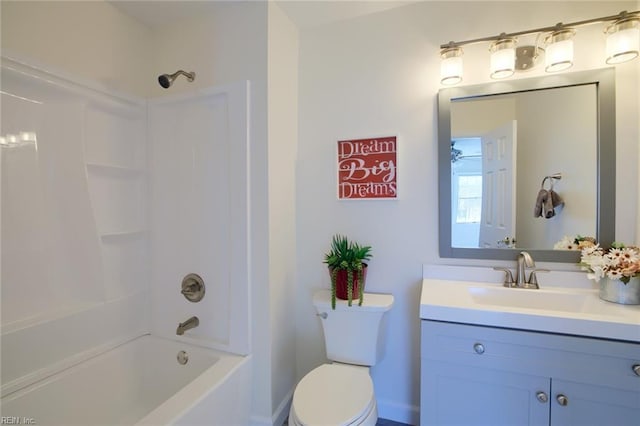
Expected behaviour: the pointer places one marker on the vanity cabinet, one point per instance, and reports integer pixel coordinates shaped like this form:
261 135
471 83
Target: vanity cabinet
476 375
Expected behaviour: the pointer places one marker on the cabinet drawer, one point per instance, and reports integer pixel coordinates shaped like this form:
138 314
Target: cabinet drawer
581 359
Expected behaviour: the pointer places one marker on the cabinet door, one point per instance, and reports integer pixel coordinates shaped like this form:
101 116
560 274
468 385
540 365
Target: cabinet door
589 404
457 395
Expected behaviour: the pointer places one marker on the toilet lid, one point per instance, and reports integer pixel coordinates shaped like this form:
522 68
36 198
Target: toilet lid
333 394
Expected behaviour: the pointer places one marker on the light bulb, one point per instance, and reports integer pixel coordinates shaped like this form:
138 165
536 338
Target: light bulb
503 58
623 41
451 66
559 55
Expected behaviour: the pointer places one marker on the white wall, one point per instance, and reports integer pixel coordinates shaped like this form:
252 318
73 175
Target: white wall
471 119
379 75
282 135
89 39
362 78
557 133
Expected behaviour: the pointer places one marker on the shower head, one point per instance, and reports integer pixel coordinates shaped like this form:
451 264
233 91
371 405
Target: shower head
166 80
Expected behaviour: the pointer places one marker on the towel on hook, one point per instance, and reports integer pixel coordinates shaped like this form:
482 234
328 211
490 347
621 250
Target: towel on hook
547 202
557 202
547 207
541 199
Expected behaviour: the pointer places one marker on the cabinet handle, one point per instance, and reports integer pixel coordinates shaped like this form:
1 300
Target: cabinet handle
562 400
542 397
479 348
636 369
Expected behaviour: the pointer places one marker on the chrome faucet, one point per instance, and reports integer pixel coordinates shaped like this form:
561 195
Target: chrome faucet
524 261
192 322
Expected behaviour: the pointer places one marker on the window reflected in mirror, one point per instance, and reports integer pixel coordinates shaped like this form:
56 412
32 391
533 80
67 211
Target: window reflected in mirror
466 189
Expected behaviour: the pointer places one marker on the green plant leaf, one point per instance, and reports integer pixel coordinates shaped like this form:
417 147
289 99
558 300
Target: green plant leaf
350 256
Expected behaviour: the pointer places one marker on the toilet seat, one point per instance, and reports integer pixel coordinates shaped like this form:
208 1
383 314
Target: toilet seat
334 394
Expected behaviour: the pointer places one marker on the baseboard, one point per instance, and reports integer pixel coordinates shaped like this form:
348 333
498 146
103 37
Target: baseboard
403 413
282 412
278 417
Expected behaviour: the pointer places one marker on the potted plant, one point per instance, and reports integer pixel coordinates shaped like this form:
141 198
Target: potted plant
617 269
347 268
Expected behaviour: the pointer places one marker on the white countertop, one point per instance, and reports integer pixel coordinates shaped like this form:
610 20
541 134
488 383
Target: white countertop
566 303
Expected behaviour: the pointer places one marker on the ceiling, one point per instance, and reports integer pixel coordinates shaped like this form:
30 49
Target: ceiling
309 13
303 13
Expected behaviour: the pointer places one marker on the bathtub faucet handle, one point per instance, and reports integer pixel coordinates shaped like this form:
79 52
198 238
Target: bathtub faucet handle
193 287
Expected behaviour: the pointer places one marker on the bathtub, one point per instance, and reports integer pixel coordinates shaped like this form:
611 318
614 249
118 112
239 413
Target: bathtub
140 383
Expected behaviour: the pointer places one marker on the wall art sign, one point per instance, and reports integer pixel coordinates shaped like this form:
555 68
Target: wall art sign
367 168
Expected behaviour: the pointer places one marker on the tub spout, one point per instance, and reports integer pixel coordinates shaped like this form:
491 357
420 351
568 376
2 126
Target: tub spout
192 322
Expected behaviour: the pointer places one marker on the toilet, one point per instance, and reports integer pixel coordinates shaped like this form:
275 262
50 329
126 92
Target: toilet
341 392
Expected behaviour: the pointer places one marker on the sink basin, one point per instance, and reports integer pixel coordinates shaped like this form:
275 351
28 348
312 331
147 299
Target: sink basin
528 298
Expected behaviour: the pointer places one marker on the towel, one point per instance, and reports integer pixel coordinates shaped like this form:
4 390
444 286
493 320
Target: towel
540 201
547 202
547 207
556 200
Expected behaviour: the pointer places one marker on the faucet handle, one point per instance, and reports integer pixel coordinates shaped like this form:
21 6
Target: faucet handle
532 282
508 276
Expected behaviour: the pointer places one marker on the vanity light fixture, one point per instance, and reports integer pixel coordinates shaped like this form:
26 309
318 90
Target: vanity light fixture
623 44
503 57
559 50
451 66
623 39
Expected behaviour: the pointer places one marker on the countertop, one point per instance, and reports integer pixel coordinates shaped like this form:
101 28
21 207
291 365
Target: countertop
566 303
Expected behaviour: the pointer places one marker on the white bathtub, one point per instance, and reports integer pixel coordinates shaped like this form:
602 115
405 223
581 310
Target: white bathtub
140 383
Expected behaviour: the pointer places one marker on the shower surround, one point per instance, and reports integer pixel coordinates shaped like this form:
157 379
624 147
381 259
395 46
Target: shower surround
108 201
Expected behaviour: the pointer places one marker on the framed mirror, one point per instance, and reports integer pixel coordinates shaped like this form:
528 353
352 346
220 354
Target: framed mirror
524 163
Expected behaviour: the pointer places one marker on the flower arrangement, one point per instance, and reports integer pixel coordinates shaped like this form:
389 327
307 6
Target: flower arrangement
617 263
574 243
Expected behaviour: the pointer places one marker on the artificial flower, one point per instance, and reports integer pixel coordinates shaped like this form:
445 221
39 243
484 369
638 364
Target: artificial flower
617 263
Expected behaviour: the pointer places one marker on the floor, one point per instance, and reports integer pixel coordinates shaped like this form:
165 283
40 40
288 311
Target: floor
385 422
381 422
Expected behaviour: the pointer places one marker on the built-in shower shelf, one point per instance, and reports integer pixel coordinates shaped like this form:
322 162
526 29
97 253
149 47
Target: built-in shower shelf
114 169
56 312
115 236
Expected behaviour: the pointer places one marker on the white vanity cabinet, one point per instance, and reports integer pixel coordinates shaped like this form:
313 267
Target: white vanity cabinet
477 375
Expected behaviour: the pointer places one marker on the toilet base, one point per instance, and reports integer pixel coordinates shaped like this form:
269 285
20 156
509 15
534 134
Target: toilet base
370 420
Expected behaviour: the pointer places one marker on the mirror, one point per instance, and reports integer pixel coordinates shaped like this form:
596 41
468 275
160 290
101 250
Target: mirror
501 144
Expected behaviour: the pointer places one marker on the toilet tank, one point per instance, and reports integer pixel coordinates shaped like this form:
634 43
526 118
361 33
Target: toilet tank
356 334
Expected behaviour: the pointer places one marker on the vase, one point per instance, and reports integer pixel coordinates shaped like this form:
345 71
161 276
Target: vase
341 284
618 292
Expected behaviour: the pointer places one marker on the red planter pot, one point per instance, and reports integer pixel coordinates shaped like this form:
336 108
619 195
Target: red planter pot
341 283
